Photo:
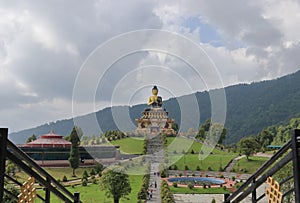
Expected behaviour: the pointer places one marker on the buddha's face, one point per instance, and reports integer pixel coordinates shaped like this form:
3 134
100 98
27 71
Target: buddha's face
154 91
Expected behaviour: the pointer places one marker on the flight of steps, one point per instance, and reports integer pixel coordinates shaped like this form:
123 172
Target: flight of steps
155 156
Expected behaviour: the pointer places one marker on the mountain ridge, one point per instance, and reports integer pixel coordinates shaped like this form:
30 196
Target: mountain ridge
250 108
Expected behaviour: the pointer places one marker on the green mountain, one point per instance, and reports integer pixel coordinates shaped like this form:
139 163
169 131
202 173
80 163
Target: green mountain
250 108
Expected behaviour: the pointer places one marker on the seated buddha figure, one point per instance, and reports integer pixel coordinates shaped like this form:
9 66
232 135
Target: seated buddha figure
155 101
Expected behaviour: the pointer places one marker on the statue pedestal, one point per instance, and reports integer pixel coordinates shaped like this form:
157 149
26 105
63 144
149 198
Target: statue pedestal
154 121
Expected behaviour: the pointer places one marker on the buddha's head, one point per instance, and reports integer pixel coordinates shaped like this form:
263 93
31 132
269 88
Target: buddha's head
155 90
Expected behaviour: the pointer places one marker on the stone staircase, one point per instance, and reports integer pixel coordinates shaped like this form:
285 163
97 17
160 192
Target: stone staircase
155 156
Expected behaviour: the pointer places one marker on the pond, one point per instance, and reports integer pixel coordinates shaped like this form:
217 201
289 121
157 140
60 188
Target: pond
197 180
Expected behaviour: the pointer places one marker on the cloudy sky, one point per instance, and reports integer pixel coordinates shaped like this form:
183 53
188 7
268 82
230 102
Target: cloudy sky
44 46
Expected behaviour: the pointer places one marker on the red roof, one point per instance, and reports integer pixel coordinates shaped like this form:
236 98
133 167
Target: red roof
49 140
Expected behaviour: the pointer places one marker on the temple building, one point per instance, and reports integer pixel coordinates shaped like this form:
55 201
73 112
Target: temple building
155 119
49 140
53 147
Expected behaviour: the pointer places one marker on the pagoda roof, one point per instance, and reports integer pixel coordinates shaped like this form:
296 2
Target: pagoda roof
49 140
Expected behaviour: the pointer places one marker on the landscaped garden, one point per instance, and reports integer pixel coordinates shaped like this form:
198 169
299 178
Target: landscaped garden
179 158
251 165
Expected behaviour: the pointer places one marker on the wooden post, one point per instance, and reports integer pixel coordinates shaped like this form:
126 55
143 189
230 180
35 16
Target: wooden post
296 163
76 197
253 191
47 191
3 146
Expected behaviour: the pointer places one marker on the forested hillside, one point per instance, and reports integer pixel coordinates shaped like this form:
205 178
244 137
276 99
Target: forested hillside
250 108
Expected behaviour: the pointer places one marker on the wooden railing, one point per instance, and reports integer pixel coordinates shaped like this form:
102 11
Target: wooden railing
9 151
290 152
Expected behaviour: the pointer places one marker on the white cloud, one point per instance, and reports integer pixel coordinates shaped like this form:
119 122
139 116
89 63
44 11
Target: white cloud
43 45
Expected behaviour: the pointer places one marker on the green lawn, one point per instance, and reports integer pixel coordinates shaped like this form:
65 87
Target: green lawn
254 163
130 145
186 190
192 161
58 173
179 146
93 194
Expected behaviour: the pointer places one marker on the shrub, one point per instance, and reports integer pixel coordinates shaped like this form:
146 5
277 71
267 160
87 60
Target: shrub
190 186
165 193
85 175
164 173
193 174
92 172
198 168
209 168
98 168
175 184
192 152
180 174
233 178
65 179
213 200
84 182
94 181
186 167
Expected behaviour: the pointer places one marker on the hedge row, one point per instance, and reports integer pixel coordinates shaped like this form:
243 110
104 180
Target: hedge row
142 194
165 193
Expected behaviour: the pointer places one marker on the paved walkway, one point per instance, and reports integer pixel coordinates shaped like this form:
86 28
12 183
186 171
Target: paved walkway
232 163
207 198
154 178
155 156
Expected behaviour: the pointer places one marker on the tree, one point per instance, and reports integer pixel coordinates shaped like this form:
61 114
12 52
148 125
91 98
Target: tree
191 132
217 133
175 127
248 146
31 138
115 183
74 152
203 129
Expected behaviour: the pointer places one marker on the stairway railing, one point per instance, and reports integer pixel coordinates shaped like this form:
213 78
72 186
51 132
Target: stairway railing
19 158
290 152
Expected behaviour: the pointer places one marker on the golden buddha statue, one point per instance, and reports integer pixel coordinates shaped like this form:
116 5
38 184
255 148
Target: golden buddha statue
155 100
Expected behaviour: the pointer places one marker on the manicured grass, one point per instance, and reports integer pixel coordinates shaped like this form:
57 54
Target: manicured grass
254 163
67 171
186 190
192 161
177 147
130 145
92 193
59 173
181 144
